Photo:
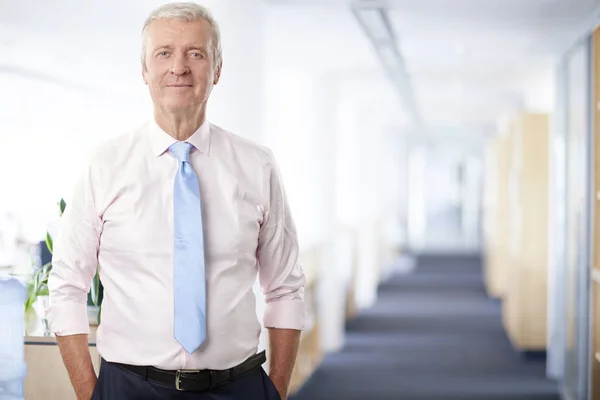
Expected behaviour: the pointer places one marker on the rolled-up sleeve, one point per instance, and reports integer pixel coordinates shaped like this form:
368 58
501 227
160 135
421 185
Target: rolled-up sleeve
74 260
281 278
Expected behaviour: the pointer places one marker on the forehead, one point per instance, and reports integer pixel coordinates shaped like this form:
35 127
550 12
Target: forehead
173 32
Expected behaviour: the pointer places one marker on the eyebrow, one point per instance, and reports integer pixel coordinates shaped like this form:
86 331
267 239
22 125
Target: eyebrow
188 48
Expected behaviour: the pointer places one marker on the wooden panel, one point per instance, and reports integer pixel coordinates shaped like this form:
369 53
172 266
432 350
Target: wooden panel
595 304
525 299
496 215
595 381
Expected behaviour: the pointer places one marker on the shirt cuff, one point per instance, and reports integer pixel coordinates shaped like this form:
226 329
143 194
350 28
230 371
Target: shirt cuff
285 314
68 319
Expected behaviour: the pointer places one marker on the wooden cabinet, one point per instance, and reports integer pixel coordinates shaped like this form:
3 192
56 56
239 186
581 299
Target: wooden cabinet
496 213
525 292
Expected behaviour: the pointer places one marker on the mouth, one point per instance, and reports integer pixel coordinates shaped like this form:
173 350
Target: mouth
179 86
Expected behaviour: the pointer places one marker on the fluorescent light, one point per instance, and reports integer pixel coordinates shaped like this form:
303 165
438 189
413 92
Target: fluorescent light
373 21
389 57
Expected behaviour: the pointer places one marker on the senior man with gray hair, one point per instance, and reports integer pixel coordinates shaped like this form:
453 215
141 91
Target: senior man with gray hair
180 217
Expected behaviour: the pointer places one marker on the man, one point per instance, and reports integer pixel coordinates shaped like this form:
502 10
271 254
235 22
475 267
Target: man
180 216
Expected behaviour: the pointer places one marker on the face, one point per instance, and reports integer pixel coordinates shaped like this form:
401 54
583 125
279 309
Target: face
179 64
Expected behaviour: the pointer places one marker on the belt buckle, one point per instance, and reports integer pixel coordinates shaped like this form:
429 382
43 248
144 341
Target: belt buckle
211 378
178 374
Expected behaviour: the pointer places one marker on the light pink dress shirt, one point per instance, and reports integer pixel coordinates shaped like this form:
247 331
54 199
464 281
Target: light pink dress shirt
121 218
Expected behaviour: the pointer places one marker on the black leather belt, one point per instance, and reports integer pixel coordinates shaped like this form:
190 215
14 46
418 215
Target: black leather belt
196 380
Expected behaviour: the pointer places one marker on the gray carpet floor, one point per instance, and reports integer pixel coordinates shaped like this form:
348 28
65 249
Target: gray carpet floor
432 335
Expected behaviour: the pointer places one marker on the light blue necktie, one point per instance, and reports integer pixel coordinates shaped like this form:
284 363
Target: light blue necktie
189 279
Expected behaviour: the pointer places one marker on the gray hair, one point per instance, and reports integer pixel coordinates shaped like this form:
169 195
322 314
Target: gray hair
185 12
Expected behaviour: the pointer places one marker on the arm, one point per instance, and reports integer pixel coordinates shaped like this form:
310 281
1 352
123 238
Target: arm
282 281
74 262
76 357
283 344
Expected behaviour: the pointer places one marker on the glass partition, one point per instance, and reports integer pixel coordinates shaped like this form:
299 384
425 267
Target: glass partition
558 231
577 218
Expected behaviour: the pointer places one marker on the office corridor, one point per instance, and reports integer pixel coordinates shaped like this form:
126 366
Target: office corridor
432 335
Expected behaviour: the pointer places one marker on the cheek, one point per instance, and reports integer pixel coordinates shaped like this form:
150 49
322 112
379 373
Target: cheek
155 80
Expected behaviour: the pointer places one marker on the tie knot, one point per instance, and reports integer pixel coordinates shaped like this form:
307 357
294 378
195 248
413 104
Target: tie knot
181 150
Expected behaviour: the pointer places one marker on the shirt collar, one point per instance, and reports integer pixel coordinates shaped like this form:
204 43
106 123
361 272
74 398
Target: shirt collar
161 140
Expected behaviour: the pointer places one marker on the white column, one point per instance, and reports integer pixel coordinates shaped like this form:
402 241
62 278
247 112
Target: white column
359 183
416 216
471 202
347 184
391 172
372 205
331 287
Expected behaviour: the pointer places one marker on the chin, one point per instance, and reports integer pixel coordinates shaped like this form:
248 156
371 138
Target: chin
178 106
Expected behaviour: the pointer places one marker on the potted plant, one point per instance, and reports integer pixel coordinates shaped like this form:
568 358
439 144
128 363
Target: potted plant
37 289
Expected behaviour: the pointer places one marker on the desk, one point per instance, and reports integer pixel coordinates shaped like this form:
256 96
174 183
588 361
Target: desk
47 376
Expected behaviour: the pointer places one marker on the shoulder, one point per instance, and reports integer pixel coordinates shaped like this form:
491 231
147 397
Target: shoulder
112 153
249 151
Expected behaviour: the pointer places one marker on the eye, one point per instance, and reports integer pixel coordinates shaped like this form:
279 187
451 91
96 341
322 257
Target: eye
197 55
163 53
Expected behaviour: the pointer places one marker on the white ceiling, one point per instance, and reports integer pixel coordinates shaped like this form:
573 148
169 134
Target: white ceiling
469 61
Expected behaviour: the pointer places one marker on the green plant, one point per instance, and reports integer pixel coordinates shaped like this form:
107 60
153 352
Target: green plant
39 284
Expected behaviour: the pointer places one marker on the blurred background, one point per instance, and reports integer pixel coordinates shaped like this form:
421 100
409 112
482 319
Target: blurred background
440 159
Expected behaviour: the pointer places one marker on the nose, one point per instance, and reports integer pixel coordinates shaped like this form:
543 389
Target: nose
180 66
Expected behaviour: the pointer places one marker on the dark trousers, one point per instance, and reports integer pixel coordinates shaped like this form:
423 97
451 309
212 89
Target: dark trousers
116 383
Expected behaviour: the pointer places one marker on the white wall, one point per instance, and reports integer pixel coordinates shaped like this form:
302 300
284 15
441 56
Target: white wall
238 101
539 91
292 132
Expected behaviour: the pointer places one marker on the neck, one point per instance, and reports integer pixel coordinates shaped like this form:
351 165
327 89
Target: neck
180 125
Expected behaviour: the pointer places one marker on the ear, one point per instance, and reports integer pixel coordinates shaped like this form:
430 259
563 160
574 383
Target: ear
145 74
218 73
